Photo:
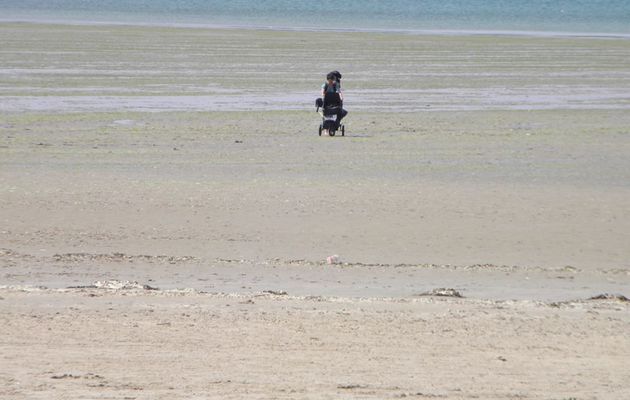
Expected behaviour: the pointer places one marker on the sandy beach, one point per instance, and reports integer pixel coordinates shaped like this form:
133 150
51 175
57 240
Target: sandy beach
188 161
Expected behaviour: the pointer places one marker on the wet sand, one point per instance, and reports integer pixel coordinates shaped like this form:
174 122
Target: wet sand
188 160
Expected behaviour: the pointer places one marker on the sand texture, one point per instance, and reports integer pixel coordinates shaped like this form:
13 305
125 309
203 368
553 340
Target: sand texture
100 343
167 209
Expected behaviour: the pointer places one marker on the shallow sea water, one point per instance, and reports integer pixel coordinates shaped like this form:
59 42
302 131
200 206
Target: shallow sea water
575 16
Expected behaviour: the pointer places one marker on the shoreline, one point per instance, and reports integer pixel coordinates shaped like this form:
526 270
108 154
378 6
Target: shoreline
305 29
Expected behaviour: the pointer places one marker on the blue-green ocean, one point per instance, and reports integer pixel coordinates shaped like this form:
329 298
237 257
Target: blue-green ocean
551 16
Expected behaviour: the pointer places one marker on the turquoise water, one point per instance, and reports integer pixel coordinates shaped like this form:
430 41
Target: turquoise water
557 16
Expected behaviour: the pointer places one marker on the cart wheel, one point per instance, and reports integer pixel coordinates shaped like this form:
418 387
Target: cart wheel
331 132
320 130
343 130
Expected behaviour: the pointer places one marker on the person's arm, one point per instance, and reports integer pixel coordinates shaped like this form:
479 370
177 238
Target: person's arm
339 90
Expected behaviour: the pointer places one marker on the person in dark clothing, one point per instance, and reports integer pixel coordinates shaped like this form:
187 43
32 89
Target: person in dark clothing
331 90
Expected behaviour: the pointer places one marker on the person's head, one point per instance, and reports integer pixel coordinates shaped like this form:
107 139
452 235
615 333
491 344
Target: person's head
331 78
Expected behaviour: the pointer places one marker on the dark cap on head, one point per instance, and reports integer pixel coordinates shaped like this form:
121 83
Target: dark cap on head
334 75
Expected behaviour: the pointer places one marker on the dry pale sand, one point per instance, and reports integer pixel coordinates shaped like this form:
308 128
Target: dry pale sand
97 343
188 160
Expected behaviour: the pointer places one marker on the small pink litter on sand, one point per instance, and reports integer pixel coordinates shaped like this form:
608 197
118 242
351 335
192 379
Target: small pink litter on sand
332 259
